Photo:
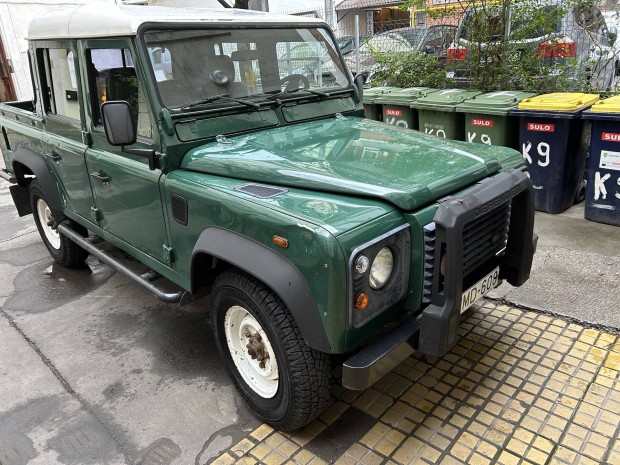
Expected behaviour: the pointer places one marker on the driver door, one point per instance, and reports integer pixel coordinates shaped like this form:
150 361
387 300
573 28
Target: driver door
126 191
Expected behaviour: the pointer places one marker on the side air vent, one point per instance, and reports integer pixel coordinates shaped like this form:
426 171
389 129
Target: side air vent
179 208
260 191
429 262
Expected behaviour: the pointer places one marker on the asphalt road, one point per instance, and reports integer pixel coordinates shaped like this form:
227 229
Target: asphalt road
93 369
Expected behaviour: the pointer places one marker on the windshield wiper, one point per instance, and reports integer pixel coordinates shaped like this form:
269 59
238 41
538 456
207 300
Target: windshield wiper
277 95
213 98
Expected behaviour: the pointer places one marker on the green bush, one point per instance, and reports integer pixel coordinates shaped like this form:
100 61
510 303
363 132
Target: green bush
409 70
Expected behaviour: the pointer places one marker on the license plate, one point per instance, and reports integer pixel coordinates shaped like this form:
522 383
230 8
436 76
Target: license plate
483 286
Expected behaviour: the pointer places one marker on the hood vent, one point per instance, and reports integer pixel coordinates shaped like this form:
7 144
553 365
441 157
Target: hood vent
261 191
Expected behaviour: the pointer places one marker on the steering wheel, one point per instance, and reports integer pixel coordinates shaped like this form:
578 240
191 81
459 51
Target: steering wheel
300 80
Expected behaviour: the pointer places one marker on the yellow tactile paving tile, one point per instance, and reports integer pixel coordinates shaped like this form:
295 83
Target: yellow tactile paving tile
519 388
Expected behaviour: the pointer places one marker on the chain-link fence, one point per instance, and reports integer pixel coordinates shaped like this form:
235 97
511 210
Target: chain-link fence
538 45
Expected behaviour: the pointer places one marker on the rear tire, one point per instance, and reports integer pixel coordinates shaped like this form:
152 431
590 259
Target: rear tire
284 381
62 249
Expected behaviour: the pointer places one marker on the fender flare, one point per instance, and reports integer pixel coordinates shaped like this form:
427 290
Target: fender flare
36 164
283 277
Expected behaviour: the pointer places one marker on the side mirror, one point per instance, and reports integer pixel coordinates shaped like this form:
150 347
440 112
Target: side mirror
359 82
117 123
119 131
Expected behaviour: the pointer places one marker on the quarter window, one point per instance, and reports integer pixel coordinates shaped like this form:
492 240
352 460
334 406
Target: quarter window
59 82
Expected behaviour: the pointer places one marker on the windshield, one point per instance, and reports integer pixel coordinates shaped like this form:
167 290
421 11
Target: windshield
193 65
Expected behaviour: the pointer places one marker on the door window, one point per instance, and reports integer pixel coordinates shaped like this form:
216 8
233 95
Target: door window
112 76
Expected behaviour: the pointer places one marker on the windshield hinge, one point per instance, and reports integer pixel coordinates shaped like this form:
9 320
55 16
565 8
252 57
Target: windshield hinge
168 254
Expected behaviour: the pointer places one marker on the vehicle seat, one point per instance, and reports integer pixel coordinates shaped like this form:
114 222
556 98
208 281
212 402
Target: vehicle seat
221 78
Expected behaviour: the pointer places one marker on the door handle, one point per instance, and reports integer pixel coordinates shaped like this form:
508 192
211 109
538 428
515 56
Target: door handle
54 157
100 176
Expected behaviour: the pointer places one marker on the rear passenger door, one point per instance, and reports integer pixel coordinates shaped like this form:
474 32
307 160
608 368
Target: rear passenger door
63 117
126 191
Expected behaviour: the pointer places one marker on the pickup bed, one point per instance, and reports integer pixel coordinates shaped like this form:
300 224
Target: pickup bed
200 143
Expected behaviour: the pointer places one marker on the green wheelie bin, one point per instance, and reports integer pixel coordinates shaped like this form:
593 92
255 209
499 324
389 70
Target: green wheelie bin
397 106
487 119
372 110
437 113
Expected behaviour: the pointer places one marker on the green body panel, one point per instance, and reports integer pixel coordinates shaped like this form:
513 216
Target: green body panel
487 120
313 249
350 156
71 169
345 181
129 202
312 110
209 127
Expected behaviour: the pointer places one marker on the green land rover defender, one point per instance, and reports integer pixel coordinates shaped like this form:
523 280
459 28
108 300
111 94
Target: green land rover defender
228 150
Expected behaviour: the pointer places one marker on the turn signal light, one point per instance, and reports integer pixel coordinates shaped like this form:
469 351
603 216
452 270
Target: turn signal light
361 300
280 241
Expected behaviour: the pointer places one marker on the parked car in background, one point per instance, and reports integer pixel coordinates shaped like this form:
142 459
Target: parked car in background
346 44
434 40
556 32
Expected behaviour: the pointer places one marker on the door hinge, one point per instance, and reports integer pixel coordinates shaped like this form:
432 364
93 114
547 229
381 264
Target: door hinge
168 254
87 138
95 214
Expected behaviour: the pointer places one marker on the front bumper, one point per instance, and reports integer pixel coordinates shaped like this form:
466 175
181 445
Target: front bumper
435 330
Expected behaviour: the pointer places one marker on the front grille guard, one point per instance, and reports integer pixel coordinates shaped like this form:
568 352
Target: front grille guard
440 320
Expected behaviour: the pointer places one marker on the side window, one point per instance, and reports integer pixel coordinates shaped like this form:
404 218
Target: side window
112 76
59 82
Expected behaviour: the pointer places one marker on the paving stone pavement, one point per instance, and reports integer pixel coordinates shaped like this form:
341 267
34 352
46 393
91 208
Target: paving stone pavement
519 388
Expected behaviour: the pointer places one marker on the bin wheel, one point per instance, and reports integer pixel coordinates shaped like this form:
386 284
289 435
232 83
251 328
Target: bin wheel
581 192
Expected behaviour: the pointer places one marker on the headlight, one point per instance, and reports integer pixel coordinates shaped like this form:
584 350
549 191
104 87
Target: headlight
381 268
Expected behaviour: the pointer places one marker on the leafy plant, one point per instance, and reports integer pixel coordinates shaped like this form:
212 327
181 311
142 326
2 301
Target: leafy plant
503 41
409 70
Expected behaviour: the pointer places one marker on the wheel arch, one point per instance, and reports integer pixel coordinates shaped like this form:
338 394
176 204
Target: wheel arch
283 277
26 162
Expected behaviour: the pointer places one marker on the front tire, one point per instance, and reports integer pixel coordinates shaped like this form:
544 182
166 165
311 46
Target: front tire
284 381
62 249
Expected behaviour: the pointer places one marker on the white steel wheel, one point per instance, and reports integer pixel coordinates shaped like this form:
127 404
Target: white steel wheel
48 223
285 382
62 249
251 351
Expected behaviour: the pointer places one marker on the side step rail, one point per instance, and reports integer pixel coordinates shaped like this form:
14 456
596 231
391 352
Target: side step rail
170 297
4 174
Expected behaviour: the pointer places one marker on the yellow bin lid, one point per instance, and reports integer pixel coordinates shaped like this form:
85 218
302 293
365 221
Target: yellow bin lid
608 105
558 101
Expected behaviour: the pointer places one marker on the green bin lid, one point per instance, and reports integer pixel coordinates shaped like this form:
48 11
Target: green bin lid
404 96
494 103
444 100
372 93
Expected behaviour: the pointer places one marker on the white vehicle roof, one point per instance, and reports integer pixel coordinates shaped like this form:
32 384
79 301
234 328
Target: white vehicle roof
107 20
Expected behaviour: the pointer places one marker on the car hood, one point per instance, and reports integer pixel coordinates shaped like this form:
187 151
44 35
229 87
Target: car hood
352 156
